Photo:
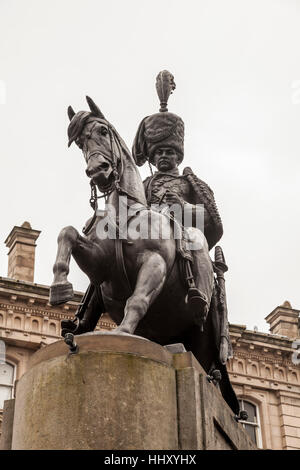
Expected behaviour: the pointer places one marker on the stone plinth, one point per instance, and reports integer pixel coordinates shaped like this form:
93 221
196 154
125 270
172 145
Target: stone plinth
7 424
117 393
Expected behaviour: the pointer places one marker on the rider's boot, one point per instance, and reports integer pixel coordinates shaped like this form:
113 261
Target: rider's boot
196 300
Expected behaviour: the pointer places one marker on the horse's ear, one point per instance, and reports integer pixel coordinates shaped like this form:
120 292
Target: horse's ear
94 108
71 113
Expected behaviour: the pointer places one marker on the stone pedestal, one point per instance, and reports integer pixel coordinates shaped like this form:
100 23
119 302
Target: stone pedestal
7 424
120 392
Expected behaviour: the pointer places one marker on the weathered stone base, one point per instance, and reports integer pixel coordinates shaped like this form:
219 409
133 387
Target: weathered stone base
119 392
7 424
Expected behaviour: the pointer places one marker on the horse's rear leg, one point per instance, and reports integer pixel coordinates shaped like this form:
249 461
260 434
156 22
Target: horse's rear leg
150 281
61 289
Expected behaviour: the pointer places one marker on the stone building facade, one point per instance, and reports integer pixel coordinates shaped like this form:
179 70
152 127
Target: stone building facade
265 369
265 374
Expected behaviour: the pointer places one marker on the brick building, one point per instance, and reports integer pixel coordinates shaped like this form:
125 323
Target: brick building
265 369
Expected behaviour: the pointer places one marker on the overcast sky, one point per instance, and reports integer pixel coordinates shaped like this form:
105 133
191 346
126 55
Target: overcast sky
237 70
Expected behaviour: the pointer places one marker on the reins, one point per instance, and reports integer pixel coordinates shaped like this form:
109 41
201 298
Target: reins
115 187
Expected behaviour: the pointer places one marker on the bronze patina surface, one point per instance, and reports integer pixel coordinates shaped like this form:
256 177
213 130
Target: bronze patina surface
156 288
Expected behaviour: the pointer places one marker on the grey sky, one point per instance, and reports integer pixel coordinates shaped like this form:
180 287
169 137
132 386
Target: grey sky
237 70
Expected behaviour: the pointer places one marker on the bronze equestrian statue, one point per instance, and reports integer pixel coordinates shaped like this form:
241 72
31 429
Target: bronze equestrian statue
162 289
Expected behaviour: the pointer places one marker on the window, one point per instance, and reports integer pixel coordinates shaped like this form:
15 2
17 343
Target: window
35 325
52 328
251 426
6 382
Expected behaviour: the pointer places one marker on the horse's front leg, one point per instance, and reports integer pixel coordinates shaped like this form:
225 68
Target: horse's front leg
61 289
151 278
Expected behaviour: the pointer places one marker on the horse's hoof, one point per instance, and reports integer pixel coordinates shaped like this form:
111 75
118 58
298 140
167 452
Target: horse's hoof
65 331
61 293
68 326
77 328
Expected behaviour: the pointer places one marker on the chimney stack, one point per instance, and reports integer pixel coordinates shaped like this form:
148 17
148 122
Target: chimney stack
21 255
284 320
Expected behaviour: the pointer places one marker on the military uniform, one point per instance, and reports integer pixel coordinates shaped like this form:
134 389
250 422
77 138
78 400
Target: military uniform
156 186
197 197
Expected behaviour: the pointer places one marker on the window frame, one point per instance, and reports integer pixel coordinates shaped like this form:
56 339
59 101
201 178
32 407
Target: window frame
12 386
257 425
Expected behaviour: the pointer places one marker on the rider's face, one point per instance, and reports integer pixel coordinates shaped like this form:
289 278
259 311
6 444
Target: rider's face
165 159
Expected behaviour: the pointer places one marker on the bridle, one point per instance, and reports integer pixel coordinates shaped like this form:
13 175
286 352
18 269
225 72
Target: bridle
115 186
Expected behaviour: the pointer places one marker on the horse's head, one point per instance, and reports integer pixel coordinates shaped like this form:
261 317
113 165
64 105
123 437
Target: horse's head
93 134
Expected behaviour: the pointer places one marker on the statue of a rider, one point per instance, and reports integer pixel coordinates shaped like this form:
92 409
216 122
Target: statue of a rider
189 204
160 141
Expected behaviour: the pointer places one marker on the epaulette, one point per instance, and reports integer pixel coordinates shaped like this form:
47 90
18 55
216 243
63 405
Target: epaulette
188 171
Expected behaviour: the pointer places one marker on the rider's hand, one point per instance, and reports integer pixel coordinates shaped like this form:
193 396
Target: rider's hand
172 198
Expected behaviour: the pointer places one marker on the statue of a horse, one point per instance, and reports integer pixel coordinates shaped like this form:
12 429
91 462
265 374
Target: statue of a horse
136 280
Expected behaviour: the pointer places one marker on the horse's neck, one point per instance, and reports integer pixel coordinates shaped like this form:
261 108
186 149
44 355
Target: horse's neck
131 185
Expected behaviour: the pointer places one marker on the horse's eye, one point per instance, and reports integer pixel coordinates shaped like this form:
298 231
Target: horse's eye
104 131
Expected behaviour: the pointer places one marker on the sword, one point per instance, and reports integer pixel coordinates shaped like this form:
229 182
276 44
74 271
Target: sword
220 268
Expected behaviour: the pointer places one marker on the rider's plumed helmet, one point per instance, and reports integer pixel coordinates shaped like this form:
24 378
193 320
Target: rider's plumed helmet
162 129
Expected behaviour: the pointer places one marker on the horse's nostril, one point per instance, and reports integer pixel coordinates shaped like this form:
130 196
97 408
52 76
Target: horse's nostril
94 168
90 172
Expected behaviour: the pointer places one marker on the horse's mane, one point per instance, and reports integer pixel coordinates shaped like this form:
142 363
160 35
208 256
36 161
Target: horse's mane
79 121
75 129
